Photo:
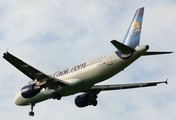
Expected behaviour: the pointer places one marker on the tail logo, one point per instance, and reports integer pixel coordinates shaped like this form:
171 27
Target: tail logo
135 28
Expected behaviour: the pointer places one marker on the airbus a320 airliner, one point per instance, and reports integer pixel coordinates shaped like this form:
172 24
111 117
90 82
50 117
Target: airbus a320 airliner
82 78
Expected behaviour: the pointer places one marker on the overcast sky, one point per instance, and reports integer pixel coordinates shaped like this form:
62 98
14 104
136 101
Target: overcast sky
53 35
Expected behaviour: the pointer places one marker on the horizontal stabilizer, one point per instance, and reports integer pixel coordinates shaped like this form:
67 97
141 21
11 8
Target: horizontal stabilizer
122 48
156 53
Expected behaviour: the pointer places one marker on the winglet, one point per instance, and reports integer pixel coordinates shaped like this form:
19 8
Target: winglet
6 51
166 81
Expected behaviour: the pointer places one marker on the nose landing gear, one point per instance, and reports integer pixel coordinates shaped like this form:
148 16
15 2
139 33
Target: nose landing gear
31 113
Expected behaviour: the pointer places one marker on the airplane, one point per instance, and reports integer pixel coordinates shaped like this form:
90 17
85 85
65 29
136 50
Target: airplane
82 78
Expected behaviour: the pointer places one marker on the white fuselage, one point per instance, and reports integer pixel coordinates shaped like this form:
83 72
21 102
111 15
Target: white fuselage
83 76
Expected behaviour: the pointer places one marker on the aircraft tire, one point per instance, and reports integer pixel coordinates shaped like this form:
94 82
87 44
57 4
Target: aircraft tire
94 102
31 113
56 96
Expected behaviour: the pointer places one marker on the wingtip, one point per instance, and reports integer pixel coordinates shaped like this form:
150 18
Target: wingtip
6 51
166 81
169 52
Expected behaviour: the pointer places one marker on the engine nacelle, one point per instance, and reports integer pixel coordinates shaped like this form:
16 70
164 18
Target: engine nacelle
30 90
82 100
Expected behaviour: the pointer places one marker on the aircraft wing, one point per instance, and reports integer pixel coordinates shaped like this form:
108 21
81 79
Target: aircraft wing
98 88
30 71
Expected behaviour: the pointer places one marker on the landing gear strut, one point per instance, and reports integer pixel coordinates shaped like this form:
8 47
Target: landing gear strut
31 113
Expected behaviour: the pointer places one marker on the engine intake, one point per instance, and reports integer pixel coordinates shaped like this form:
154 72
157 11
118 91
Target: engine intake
86 99
30 90
82 100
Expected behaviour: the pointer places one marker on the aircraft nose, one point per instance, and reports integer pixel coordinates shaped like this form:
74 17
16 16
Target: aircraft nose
19 100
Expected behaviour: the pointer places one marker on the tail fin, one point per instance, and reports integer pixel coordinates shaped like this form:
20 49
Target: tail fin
132 36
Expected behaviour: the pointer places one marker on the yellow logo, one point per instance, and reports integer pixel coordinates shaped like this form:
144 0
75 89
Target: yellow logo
135 28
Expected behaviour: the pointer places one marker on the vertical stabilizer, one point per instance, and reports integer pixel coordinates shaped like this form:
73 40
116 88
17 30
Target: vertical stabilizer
132 36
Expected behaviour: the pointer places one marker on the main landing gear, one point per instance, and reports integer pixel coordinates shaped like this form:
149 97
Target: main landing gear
31 113
93 100
56 95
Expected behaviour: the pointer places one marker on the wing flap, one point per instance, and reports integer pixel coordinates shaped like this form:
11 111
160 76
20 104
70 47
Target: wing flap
124 86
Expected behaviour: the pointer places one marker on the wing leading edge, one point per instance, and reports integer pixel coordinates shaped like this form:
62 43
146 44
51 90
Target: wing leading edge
30 71
99 88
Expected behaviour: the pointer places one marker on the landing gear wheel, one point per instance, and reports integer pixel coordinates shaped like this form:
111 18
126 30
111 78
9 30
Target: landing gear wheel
56 95
31 113
59 96
94 102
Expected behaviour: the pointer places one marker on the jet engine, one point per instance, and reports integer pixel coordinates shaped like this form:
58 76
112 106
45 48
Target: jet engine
30 90
84 100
